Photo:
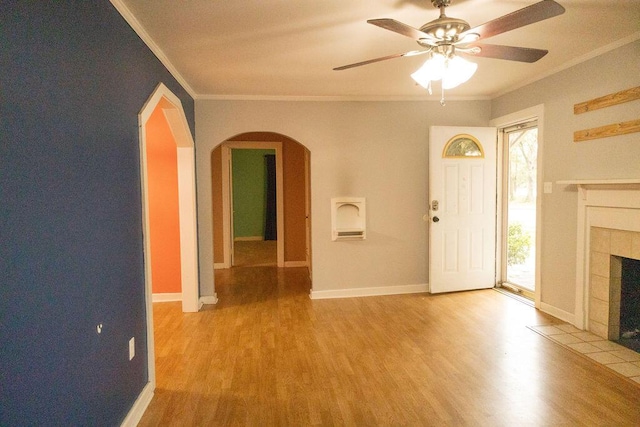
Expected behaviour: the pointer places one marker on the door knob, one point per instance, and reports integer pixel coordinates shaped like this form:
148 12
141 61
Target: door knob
436 219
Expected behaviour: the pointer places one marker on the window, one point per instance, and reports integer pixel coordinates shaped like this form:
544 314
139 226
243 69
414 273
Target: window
520 184
463 145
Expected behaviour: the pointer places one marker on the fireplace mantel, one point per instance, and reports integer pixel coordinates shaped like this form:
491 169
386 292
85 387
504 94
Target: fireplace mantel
601 184
608 203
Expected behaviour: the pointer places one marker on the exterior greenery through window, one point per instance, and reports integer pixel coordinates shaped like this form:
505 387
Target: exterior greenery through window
521 216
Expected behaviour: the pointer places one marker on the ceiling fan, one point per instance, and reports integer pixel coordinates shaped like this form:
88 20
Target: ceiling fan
445 36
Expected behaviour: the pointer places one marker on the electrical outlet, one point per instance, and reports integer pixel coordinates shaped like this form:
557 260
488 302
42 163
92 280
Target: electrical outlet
132 348
548 187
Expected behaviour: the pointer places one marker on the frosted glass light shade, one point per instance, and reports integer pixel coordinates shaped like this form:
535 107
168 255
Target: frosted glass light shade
458 71
453 71
431 70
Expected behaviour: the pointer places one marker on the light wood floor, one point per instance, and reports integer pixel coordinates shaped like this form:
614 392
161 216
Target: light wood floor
255 253
267 355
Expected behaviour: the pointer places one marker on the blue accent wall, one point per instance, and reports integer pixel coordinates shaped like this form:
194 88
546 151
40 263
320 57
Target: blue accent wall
73 78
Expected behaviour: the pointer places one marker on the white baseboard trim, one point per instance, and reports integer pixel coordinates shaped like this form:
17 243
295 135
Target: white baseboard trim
367 292
168 297
139 406
219 265
248 239
209 299
556 312
296 264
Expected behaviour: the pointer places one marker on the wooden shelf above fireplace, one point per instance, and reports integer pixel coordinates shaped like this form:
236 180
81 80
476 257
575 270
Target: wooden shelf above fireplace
595 182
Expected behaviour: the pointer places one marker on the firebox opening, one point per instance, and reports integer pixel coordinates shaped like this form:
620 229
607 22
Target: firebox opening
630 304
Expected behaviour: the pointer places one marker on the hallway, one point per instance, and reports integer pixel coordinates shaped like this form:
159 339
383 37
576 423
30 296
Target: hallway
268 355
255 253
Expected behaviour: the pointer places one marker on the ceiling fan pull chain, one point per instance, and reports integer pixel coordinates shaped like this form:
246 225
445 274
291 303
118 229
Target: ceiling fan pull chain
442 96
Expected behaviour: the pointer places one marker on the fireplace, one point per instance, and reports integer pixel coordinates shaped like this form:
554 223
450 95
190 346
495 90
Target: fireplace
630 304
614 287
608 235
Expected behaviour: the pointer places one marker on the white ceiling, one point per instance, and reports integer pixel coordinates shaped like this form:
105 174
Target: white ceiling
288 48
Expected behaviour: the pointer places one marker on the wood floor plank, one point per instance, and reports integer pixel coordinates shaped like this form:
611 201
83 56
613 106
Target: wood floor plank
268 355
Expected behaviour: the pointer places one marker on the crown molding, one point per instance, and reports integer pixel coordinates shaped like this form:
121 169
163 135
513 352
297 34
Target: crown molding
146 38
346 98
595 53
151 44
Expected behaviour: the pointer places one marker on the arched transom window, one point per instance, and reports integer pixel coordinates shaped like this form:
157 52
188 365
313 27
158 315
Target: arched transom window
463 145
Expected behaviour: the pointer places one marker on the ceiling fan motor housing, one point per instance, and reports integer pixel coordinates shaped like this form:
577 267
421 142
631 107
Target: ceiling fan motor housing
441 3
445 28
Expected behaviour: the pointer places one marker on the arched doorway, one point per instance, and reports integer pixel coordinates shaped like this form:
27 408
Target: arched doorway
228 234
163 108
295 197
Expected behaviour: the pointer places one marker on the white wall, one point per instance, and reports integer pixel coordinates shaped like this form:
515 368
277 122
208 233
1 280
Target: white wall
376 150
616 157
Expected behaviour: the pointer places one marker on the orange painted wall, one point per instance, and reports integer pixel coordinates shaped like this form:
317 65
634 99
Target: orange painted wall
294 206
162 183
216 190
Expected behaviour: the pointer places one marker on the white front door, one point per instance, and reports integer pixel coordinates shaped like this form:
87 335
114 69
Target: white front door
462 195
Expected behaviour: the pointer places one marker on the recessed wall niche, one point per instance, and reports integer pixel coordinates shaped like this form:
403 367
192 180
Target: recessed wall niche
348 218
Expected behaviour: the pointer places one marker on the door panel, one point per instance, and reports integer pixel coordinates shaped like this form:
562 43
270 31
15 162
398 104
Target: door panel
463 224
477 190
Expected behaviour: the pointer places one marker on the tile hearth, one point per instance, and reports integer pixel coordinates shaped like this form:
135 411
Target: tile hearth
620 359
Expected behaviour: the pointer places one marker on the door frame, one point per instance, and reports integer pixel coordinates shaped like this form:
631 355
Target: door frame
179 126
535 112
227 205
307 207
177 121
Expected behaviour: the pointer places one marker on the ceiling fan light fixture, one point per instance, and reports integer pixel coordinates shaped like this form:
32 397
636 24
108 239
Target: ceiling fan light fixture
444 36
458 70
431 70
453 71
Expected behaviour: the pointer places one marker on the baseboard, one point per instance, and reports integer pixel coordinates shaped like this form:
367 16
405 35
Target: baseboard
139 406
248 239
367 292
556 312
219 265
209 299
168 297
295 264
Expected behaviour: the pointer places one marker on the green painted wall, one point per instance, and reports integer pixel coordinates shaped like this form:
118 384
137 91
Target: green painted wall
249 183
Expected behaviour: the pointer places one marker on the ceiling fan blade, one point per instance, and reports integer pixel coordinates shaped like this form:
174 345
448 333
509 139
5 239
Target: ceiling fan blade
537 12
383 58
510 53
400 28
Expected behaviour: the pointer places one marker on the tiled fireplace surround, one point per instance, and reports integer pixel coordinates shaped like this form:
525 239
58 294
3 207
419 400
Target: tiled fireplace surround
606 247
608 228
